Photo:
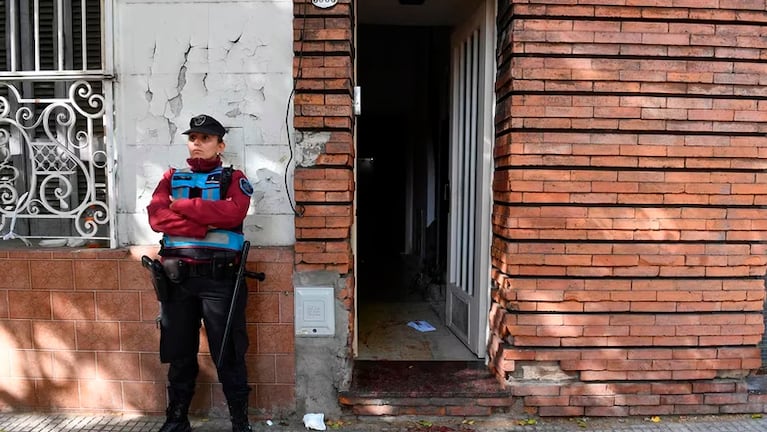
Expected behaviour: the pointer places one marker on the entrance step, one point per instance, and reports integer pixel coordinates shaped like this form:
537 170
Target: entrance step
427 388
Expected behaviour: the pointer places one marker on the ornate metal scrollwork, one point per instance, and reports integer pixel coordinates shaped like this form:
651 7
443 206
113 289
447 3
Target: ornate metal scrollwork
51 152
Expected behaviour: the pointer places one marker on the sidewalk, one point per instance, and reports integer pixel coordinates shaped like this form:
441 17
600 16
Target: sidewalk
31 422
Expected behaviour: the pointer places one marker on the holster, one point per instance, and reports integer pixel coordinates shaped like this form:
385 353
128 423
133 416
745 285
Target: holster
175 269
159 278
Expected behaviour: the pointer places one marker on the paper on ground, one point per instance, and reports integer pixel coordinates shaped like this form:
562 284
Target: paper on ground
314 421
421 326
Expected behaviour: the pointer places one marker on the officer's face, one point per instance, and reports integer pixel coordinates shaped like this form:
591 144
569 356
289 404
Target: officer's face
204 146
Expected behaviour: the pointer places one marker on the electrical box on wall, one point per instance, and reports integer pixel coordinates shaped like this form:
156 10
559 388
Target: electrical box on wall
314 311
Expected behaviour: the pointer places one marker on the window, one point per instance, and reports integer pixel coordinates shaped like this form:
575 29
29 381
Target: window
55 102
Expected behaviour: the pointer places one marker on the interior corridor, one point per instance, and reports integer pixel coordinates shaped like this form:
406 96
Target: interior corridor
384 334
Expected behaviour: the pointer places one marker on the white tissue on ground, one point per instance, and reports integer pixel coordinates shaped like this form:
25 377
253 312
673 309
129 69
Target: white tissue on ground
314 421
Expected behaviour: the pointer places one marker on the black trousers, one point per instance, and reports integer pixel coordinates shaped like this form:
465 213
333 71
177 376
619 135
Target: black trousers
205 300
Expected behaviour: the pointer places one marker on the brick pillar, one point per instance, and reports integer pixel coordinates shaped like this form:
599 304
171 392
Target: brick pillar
324 181
629 220
323 70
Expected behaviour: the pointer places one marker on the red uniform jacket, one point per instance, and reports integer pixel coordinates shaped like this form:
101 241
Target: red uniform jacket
193 217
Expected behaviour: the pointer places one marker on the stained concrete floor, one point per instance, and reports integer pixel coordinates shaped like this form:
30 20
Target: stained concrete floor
384 333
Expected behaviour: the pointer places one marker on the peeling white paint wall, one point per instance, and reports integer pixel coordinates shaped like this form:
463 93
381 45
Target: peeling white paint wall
229 59
310 145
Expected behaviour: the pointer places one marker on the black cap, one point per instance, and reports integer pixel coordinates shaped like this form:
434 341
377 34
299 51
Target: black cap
206 124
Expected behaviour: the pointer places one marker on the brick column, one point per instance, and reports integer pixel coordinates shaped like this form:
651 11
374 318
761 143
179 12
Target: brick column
324 183
629 220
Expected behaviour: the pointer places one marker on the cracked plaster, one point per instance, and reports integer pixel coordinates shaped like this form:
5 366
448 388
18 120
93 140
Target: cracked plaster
234 63
309 146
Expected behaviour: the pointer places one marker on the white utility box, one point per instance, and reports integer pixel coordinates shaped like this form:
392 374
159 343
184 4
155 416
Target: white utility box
314 311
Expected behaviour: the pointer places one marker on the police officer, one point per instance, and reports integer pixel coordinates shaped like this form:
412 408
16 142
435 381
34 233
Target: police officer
200 210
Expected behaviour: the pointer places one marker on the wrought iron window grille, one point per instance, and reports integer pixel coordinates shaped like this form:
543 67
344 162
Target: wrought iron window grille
56 157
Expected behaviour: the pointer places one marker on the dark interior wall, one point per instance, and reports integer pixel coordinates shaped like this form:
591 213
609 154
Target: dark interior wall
403 73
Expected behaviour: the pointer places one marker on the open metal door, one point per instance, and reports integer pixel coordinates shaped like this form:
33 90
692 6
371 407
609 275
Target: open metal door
471 144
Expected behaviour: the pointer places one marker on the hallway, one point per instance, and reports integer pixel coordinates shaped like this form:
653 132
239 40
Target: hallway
384 334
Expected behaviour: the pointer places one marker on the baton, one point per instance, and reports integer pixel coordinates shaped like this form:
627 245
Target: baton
241 274
146 262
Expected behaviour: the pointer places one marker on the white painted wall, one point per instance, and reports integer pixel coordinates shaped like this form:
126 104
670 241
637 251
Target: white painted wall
229 59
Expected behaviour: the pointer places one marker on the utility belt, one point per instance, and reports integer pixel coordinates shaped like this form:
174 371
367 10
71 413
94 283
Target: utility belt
179 265
179 270
198 254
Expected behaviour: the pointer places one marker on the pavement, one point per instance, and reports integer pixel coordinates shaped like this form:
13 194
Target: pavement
58 422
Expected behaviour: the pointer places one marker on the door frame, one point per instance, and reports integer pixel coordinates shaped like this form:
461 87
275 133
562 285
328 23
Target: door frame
479 320
478 301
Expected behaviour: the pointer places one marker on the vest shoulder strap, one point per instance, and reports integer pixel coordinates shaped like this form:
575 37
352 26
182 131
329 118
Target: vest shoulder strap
226 180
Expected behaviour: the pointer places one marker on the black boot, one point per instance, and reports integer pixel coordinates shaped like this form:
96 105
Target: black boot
238 412
176 419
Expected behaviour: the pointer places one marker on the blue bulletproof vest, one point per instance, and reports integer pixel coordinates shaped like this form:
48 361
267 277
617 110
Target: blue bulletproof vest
208 186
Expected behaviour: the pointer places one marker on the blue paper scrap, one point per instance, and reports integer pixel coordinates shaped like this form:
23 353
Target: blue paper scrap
421 326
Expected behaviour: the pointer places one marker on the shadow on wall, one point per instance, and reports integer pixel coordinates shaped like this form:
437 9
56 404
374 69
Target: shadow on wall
79 333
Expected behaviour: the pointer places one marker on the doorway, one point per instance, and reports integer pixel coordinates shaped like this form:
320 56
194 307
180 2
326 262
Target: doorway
403 169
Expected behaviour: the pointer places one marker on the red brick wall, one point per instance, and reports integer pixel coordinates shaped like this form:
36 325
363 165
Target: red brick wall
78 333
323 69
324 187
629 214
